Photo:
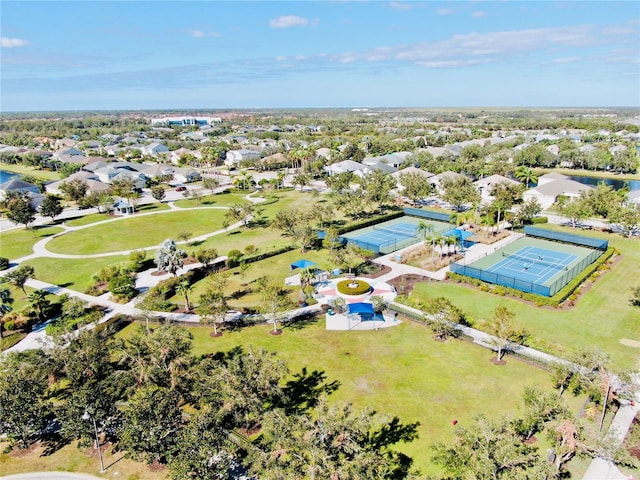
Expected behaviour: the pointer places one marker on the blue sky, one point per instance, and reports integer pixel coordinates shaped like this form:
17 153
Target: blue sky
83 55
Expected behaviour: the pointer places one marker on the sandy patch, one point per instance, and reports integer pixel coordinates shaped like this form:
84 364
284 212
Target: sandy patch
630 343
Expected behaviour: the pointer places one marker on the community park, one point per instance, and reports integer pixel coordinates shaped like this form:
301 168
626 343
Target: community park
360 316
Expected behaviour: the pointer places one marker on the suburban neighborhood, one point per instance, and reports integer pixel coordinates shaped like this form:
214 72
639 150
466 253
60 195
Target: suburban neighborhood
352 234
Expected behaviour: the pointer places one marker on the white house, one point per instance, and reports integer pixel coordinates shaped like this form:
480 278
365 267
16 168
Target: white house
486 184
154 149
633 198
547 193
235 157
186 175
346 166
175 155
436 180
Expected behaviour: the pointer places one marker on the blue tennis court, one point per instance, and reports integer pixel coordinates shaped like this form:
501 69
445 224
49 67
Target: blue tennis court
533 264
395 235
392 235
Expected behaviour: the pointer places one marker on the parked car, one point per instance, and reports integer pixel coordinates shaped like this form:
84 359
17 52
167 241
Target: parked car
181 188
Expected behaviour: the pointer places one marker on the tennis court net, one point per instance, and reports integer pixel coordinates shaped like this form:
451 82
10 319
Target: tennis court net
536 259
404 233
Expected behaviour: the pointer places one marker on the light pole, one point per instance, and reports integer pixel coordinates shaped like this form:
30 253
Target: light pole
88 416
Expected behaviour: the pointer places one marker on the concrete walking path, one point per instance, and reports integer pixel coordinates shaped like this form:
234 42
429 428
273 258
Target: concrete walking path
51 476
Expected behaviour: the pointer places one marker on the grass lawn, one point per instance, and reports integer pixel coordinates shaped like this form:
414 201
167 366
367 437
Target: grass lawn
30 171
600 318
399 371
137 232
277 267
70 458
100 217
224 199
19 243
76 274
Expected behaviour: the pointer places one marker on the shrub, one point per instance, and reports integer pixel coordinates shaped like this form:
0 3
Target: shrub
539 220
345 288
4 263
123 286
138 260
233 257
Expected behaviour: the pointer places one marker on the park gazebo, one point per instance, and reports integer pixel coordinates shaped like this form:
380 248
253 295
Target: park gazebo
362 309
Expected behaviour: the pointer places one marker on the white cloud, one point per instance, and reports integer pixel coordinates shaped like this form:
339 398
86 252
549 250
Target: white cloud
475 48
400 5
13 42
566 60
287 21
201 34
479 13
444 11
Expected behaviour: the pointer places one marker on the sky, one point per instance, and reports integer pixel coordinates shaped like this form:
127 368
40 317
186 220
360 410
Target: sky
125 55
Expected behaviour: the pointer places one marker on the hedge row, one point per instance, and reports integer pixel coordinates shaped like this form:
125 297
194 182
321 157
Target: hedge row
566 292
261 256
535 220
369 222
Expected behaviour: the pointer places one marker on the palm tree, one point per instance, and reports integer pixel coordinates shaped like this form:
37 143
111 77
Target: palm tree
306 276
39 302
5 306
244 180
526 175
184 288
433 240
423 229
169 258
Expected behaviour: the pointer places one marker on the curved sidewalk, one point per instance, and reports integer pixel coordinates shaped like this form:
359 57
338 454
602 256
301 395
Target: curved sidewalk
50 476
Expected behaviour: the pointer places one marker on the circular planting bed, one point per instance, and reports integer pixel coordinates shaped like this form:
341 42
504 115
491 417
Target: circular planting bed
353 287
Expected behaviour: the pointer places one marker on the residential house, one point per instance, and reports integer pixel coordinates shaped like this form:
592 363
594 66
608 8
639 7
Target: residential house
324 152
346 166
186 175
552 186
236 157
412 169
633 198
154 149
436 180
174 156
486 184
16 186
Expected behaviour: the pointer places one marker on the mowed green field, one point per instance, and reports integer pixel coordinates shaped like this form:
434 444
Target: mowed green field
138 232
601 318
399 371
76 274
19 242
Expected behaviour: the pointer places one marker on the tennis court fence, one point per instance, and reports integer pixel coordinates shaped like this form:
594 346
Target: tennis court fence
548 290
418 212
383 248
591 242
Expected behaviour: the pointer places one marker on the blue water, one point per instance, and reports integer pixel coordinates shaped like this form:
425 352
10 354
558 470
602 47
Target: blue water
5 176
614 182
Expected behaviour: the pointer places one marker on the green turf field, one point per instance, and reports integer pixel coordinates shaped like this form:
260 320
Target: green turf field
19 242
138 231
